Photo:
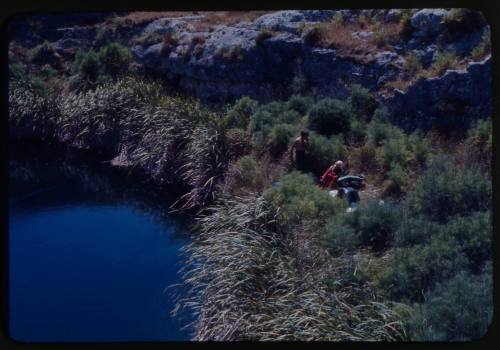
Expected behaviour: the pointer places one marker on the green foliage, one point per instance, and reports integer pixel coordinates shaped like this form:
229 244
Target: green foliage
87 65
365 157
263 35
372 225
394 151
300 104
239 114
329 116
361 102
480 136
419 147
416 269
115 59
397 179
379 130
295 198
269 115
324 152
357 132
460 309
299 84
428 252
17 71
247 173
314 35
445 190
280 138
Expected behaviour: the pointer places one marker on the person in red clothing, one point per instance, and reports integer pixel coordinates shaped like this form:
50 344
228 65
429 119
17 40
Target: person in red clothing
331 175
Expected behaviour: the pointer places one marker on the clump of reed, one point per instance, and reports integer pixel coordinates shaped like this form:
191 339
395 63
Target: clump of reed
132 119
246 285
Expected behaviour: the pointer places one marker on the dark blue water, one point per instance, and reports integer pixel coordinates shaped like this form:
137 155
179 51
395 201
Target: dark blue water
91 254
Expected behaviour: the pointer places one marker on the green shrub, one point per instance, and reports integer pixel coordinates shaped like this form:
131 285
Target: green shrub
324 152
263 35
269 115
115 59
330 116
365 157
357 132
361 102
239 114
394 151
460 309
17 71
417 269
246 173
314 35
480 136
87 65
372 224
379 130
280 138
445 190
296 197
300 104
474 234
397 179
419 147
299 84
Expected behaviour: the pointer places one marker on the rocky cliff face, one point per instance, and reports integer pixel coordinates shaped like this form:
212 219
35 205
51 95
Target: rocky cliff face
266 57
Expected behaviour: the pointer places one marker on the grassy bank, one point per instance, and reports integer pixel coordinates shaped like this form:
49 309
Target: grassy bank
274 257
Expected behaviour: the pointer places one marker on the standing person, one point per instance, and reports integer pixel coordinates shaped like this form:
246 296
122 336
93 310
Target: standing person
301 147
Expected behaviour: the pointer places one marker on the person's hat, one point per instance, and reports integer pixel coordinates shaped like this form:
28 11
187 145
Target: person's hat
339 163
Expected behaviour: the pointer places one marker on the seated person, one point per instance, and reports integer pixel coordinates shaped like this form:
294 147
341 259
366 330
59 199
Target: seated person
331 175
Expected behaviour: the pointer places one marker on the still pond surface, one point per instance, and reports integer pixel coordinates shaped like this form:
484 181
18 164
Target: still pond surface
91 254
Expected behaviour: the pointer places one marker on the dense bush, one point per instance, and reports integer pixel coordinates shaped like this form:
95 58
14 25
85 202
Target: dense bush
372 225
269 115
480 136
87 65
324 152
115 59
419 147
460 309
280 138
296 197
379 130
394 151
362 103
445 190
246 173
329 116
357 132
300 104
239 114
416 269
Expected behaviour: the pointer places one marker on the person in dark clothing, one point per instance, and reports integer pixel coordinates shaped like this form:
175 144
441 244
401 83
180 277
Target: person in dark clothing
301 147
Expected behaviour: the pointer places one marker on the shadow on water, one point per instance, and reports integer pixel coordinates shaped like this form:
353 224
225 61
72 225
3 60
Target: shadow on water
92 250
